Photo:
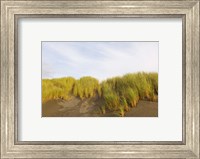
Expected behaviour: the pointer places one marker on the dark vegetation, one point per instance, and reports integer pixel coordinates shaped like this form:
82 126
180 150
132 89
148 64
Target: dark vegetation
118 94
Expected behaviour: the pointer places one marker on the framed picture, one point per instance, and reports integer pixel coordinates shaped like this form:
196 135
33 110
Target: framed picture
100 79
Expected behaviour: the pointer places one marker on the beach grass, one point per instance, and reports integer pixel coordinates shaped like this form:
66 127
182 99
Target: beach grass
86 87
59 88
119 94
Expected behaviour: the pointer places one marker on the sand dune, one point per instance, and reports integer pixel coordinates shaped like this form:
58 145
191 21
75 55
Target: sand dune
90 108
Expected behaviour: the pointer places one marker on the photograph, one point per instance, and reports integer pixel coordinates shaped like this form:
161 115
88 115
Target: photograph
99 78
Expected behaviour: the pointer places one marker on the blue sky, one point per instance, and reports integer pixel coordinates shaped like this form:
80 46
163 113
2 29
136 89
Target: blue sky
98 59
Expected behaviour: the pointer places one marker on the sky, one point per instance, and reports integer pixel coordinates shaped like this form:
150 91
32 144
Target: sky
101 60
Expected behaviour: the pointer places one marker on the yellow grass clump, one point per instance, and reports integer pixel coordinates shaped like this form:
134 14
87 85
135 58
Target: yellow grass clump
60 88
86 87
118 93
124 92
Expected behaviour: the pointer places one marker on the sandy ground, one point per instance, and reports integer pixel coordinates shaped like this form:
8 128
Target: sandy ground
144 109
90 108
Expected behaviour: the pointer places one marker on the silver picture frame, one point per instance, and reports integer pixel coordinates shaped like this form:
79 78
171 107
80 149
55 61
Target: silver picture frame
13 10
